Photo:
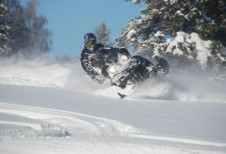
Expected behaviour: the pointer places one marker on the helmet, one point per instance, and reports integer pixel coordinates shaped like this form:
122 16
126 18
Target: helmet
90 41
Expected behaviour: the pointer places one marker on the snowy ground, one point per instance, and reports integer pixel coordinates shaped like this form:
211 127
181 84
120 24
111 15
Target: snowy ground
48 108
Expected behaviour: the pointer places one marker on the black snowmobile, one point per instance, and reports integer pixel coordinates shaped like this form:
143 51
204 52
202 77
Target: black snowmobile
124 70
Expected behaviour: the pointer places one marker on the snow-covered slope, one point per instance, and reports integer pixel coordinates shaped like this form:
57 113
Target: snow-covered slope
53 108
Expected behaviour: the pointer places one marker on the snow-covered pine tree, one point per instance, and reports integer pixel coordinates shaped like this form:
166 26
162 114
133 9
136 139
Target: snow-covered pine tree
102 33
192 31
4 30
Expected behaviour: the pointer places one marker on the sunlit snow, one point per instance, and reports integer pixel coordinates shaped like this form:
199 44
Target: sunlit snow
52 108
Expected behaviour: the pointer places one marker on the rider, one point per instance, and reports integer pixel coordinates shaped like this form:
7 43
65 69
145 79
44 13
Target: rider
89 61
92 57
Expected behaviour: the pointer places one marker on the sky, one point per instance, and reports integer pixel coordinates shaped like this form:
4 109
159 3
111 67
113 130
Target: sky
69 20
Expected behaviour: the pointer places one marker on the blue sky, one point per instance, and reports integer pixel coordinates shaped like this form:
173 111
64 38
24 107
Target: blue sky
69 20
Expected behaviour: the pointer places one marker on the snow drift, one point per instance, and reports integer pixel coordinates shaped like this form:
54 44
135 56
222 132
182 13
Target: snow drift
55 108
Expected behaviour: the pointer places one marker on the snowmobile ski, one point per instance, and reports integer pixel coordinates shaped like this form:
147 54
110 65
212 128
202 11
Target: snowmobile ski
121 95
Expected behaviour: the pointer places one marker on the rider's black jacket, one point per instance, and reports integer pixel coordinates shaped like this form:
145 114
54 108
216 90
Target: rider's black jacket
88 58
96 58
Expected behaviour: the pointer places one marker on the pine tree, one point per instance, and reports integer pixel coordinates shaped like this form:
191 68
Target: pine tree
28 34
102 33
154 32
15 18
4 30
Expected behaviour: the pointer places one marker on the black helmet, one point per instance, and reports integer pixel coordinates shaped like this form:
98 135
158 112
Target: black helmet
90 41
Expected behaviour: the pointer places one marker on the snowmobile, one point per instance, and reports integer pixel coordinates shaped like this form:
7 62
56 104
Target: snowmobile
124 70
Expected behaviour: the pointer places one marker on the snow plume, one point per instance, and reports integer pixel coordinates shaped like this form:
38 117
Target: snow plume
183 86
47 72
42 71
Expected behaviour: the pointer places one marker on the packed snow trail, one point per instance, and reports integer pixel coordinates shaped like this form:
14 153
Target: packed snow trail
163 116
68 128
